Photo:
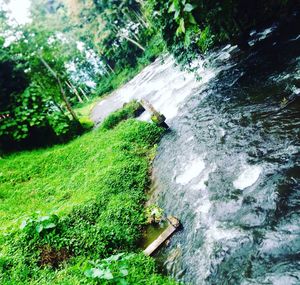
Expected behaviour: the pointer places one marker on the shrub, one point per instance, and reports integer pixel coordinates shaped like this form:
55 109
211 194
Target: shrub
86 123
126 269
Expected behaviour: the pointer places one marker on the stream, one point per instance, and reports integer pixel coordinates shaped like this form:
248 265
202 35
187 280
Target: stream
229 169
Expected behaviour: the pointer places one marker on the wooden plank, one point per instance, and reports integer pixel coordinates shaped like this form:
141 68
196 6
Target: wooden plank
156 117
149 106
169 231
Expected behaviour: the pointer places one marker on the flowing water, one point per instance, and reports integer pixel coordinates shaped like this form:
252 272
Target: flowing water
229 169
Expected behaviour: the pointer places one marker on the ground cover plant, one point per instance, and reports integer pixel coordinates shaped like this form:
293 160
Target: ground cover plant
130 110
65 206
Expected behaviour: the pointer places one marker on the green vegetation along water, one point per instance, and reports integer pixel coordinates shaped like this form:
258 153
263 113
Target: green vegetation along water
66 206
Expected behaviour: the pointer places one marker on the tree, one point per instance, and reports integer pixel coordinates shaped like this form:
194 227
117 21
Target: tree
31 96
191 27
57 17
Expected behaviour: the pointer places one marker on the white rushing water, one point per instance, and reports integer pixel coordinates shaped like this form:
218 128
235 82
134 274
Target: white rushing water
229 166
192 170
152 84
163 84
247 177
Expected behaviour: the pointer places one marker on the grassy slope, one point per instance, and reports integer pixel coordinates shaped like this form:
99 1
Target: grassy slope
59 178
84 110
104 174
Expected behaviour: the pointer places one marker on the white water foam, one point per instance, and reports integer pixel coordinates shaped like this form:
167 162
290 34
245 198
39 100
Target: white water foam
247 177
190 139
167 91
164 85
201 184
296 90
222 132
191 171
262 35
215 235
205 206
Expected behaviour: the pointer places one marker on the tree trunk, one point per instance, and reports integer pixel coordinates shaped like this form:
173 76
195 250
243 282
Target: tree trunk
133 42
110 68
84 94
74 90
62 91
116 31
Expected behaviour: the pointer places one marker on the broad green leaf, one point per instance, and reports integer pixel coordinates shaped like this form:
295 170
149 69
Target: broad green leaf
187 39
192 19
176 16
177 4
24 128
23 225
44 218
89 273
172 8
188 8
182 26
107 275
49 226
124 272
96 272
39 228
122 282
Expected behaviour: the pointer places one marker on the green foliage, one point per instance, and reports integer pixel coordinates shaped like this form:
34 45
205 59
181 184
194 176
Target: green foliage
154 49
206 39
36 224
182 15
125 43
175 21
125 33
32 109
191 27
86 123
113 269
89 195
30 95
154 213
121 36
129 110
122 269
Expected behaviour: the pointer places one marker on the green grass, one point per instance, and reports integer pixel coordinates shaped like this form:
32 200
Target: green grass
96 186
130 110
56 179
84 109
